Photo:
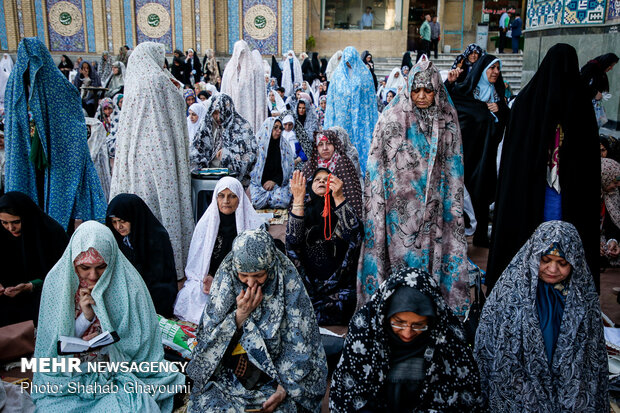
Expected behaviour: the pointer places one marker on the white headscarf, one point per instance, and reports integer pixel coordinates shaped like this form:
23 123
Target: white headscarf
211 88
290 78
191 300
4 78
333 63
289 136
201 110
394 82
99 153
280 105
6 64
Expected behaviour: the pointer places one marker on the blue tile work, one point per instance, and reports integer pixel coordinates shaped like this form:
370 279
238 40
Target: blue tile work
544 13
128 23
613 11
108 19
197 23
166 38
90 25
4 42
39 16
233 24
74 42
287 25
267 45
178 25
583 12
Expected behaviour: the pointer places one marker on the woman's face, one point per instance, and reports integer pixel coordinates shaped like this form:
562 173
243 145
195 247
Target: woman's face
389 97
253 278
493 72
120 103
193 117
323 104
227 202
190 100
86 68
396 75
11 223
610 67
422 97
319 183
202 97
115 70
216 116
403 325
190 54
603 151
107 110
276 131
368 58
90 273
121 226
473 57
196 89
301 109
553 269
272 97
288 126
326 150
297 94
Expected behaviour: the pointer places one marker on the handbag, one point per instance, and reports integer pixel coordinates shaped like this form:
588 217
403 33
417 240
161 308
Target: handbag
472 318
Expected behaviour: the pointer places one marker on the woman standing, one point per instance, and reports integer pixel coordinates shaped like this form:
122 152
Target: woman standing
594 74
466 60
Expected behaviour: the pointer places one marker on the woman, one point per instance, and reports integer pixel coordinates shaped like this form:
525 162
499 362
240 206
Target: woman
259 308
329 153
190 98
610 212
105 113
406 61
270 179
30 244
230 215
594 74
465 61
192 66
332 65
151 147
197 113
396 81
483 116
406 351
105 65
275 104
562 178
320 111
540 344
116 81
98 148
297 137
349 149
94 288
367 59
305 114
224 140
210 68
6 63
116 116
326 257
146 244
61 179
65 65
414 192
87 77
291 73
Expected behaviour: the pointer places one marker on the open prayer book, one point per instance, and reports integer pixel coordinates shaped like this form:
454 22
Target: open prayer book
72 345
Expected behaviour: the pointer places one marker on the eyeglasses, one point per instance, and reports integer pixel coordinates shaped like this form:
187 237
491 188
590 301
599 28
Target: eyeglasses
413 327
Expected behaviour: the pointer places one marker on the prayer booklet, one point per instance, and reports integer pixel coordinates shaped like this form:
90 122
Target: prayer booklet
72 345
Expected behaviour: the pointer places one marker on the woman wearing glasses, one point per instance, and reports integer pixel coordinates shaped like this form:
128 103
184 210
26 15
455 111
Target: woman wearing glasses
406 351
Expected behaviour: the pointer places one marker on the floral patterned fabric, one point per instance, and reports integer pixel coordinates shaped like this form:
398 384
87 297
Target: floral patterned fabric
151 147
515 373
311 123
414 195
451 383
351 102
281 336
305 140
234 137
279 196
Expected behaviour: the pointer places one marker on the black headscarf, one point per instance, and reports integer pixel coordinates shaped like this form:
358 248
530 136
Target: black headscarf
316 65
323 65
371 66
273 163
150 251
27 257
313 210
407 60
481 132
226 234
555 95
308 70
275 70
594 73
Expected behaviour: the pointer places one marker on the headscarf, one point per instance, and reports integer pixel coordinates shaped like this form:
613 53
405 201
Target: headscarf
151 150
147 247
210 67
305 140
320 112
370 65
351 102
95 80
193 127
102 117
414 194
594 73
289 78
471 48
333 64
278 104
309 121
394 82
6 63
113 82
610 172
485 90
191 300
71 189
212 89
510 349
235 139
406 61
122 305
341 166
98 148
276 71
105 65
349 149
451 381
280 336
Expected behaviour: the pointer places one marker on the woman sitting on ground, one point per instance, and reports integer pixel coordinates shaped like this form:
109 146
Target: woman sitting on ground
610 212
94 289
406 351
258 341
326 261
269 187
230 215
540 343
30 244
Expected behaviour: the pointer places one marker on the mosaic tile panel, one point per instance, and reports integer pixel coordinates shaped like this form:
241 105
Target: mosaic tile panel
613 11
154 22
128 23
65 23
39 17
108 20
544 13
197 24
233 24
178 25
583 12
260 25
4 41
287 25
90 26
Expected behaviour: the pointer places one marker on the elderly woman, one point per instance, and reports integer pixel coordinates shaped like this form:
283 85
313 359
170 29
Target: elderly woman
414 191
406 351
258 342
610 211
269 187
466 60
540 344
30 244
325 254
230 215
93 289
146 244
116 81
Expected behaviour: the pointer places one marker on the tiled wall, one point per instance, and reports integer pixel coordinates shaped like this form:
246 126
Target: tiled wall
545 13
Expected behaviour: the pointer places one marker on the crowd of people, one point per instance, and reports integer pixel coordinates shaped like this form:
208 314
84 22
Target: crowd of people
381 181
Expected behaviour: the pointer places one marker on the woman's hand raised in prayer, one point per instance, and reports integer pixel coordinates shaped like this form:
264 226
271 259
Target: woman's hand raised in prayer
454 74
247 301
86 303
269 185
275 400
336 185
18 289
298 187
206 283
